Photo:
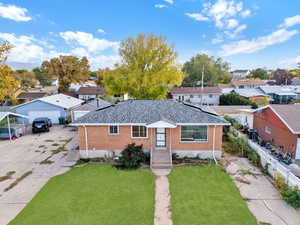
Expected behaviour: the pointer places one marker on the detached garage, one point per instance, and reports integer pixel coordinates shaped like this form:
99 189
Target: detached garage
55 107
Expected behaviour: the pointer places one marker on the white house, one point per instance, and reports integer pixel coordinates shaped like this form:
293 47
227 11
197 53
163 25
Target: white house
197 95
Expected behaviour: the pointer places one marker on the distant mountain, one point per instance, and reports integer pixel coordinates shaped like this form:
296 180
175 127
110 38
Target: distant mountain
19 65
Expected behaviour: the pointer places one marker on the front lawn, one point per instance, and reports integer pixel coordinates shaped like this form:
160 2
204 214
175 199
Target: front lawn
91 195
206 196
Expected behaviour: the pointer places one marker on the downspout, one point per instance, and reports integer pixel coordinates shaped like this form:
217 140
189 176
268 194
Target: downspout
214 138
86 142
8 124
170 129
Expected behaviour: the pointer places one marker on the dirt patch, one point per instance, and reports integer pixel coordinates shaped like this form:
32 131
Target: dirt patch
18 180
7 176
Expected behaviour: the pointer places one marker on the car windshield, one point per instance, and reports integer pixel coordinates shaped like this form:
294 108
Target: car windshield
39 122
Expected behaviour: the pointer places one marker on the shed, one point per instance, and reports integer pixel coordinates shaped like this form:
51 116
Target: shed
55 107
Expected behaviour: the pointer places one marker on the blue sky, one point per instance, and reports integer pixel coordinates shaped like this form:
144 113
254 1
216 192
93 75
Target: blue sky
247 34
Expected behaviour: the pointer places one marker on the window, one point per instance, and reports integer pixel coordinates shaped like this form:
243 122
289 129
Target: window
268 130
193 133
210 95
113 130
191 96
139 131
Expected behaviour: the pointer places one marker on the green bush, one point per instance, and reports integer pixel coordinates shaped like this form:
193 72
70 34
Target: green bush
233 122
292 196
132 156
235 99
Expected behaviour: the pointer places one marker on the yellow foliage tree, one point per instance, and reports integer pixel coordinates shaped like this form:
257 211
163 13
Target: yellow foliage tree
147 70
8 84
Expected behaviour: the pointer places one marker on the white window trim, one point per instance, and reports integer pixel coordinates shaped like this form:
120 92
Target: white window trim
113 134
139 137
204 141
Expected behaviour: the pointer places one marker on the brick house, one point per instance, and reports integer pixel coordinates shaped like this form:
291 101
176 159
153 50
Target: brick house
281 124
163 127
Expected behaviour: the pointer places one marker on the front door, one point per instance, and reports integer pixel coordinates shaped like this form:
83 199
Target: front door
161 137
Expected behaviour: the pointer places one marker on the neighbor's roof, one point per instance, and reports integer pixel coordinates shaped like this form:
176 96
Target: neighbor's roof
278 89
195 90
145 112
93 105
5 114
91 91
31 95
60 100
248 82
249 92
230 109
289 114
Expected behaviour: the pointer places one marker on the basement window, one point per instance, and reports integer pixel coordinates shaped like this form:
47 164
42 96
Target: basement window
268 130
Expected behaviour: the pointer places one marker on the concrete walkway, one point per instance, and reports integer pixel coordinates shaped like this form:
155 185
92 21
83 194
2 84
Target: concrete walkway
263 199
162 198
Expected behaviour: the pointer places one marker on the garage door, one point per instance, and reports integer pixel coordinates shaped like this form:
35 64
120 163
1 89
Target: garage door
52 115
78 114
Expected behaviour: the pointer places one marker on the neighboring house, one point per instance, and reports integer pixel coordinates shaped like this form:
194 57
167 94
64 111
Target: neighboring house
296 81
240 73
281 94
247 83
29 96
88 93
197 95
242 113
81 110
54 82
254 95
55 107
161 126
281 125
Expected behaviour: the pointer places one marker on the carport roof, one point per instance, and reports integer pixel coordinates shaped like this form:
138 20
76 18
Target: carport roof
5 114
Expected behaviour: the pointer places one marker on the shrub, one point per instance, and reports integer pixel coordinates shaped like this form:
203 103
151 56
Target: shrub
292 196
132 156
235 99
280 182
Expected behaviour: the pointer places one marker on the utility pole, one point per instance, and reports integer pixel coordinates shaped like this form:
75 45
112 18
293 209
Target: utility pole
202 80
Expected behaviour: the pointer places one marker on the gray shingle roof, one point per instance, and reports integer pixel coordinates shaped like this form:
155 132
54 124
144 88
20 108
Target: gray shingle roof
150 111
93 105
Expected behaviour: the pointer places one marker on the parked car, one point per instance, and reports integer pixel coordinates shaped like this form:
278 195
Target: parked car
41 125
49 122
5 134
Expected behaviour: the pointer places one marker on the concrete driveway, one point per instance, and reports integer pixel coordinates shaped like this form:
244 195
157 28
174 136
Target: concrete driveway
263 199
27 164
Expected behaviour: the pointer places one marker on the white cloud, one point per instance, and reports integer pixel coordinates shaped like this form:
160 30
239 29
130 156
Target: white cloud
159 6
80 52
246 13
14 13
169 1
103 61
234 33
88 41
256 44
290 63
232 23
217 40
197 16
101 31
291 21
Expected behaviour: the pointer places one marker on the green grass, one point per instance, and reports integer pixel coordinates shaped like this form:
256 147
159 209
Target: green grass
92 195
206 196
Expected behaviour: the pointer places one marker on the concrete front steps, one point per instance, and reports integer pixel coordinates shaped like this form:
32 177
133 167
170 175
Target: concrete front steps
161 159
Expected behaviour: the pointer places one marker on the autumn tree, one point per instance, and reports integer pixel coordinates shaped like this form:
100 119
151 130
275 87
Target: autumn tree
68 69
282 77
100 74
259 74
26 78
8 84
44 79
147 69
215 71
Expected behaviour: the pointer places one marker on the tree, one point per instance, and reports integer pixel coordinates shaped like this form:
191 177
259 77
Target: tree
147 70
215 71
5 47
282 77
43 78
235 99
100 74
68 69
8 84
26 78
260 74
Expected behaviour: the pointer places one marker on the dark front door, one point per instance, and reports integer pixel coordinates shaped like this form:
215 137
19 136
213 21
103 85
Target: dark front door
161 137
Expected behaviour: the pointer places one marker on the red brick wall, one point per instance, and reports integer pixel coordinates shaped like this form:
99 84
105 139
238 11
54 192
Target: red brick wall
99 139
280 133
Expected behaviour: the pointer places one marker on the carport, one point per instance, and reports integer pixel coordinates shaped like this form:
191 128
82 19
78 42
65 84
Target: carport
8 120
